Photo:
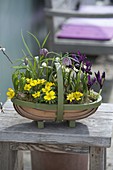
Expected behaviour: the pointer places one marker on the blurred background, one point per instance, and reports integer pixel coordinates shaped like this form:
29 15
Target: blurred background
14 17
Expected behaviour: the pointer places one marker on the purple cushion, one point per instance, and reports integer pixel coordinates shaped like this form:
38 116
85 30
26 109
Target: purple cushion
89 29
86 32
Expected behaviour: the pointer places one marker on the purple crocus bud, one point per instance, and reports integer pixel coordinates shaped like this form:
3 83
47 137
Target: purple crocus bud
91 81
43 51
87 67
100 78
81 57
75 58
103 77
75 61
66 61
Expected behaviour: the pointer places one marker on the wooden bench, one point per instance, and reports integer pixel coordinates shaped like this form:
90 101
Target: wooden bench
57 13
92 135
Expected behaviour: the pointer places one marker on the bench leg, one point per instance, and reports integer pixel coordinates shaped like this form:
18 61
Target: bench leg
97 160
10 159
58 161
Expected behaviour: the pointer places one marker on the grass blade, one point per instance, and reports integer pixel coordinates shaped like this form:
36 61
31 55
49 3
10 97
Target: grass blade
27 48
35 39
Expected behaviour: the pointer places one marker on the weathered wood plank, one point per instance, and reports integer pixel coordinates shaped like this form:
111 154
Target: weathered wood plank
49 148
71 13
51 138
10 160
97 158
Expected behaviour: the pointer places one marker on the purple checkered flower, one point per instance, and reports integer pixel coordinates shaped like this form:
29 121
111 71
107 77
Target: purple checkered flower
43 51
67 61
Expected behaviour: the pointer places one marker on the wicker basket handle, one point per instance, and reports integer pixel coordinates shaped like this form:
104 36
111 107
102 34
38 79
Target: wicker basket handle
60 92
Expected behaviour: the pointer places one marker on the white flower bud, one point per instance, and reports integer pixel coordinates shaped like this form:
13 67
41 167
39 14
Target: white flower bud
67 70
57 59
44 64
2 49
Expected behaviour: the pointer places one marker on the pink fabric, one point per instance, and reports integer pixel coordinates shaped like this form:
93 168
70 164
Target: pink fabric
86 32
89 28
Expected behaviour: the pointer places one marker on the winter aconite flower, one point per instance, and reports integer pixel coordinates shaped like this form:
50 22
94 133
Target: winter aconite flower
50 96
27 87
46 89
74 96
33 83
70 97
36 94
77 95
10 93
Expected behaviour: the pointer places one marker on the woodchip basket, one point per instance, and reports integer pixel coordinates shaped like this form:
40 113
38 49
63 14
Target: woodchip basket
55 112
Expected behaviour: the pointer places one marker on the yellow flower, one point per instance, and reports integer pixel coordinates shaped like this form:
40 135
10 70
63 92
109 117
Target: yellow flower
33 83
74 96
36 94
70 97
42 81
46 89
27 87
10 93
49 84
77 95
28 80
38 81
50 95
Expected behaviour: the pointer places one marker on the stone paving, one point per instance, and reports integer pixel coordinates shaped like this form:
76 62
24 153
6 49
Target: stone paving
102 63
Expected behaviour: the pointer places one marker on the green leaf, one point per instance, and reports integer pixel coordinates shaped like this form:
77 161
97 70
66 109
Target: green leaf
27 48
24 52
35 63
22 83
35 39
15 80
28 74
19 67
45 39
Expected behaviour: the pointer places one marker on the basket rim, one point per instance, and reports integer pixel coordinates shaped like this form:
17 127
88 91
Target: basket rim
42 106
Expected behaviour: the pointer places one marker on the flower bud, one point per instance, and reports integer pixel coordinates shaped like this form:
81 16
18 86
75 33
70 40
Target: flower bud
43 51
2 49
25 61
44 64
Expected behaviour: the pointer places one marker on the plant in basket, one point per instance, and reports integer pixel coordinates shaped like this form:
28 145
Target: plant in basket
55 86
